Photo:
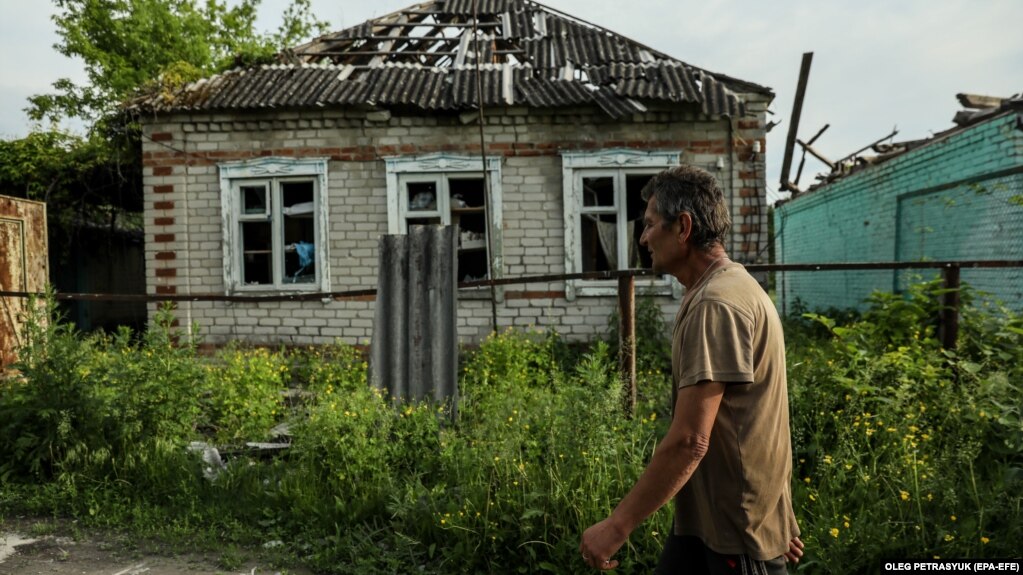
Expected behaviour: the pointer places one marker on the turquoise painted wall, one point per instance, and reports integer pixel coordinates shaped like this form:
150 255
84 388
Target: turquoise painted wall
957 198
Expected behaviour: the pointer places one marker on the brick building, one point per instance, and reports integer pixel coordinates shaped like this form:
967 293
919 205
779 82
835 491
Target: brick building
955 196
282 178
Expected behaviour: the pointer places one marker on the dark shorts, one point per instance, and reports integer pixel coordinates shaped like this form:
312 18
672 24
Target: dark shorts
686 555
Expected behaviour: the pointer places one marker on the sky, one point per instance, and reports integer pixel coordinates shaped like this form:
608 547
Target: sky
878 65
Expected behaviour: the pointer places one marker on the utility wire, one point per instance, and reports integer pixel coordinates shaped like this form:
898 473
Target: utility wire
486 173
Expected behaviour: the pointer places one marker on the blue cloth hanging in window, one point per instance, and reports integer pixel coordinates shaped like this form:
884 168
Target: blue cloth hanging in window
304 250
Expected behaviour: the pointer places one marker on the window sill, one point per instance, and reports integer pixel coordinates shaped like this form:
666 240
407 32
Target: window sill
299 289
480 294
604 288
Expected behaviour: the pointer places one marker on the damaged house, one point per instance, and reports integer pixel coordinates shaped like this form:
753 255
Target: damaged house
281 179
955 196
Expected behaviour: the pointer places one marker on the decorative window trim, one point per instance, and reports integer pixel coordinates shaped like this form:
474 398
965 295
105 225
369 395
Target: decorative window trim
573 166
447 165
268 169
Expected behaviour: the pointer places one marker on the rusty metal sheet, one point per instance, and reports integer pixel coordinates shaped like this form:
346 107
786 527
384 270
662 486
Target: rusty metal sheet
23 266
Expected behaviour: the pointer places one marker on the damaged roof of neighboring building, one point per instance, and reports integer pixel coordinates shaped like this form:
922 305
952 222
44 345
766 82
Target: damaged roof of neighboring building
425 57
977 109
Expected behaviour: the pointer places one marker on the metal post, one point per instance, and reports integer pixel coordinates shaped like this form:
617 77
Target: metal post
627 340
950 308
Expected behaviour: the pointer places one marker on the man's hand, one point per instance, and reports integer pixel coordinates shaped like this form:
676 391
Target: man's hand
600 542
673 463
795 551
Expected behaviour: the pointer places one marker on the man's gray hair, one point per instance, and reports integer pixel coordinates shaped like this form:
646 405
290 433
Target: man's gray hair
696 192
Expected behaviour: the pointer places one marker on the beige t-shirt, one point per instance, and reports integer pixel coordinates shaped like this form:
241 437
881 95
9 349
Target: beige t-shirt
739 499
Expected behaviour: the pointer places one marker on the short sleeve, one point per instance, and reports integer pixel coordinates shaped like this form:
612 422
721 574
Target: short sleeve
717 345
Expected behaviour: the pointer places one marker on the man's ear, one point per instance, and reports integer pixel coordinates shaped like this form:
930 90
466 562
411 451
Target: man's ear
685 227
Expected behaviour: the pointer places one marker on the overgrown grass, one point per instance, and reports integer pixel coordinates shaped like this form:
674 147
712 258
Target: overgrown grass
905 449
902 448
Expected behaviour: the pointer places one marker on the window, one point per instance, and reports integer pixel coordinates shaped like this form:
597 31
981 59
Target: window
275 224
604 214
449 190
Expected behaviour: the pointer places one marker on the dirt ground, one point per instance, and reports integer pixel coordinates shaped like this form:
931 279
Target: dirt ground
34 547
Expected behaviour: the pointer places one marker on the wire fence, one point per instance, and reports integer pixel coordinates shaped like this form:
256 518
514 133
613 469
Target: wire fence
948 322
951 271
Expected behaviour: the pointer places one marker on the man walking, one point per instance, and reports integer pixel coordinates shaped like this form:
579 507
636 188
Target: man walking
727 457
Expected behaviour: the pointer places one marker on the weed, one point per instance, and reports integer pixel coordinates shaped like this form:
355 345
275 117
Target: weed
901 448
231 559
41 529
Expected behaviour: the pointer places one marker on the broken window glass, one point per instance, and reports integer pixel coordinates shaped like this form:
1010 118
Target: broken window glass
298 231
457 200
611 222
277 229
257 247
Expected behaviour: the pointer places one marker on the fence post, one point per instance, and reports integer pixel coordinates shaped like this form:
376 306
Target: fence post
627 339
950 307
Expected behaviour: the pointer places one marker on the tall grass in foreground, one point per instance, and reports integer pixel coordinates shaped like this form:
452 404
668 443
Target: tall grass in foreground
905 449
902 448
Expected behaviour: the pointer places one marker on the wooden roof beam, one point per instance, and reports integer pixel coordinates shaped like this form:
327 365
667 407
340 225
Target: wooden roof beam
387 45
797 110
413 53
978 102
446 25
433 37
814 153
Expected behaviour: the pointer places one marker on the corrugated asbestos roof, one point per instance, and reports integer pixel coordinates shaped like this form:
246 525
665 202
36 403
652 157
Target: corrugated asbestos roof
425 57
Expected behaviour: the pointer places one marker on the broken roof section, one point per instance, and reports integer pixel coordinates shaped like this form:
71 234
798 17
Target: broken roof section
977 109
425 56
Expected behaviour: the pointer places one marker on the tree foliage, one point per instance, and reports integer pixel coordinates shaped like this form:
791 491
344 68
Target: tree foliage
130 45
81 179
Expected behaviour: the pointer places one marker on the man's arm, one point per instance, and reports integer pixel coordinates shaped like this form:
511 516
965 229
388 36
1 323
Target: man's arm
673 463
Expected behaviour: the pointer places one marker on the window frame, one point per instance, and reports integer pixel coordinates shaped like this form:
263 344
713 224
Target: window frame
617 164
272 172
441 168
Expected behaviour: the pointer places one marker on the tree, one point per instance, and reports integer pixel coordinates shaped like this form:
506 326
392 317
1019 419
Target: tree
128 47
131 45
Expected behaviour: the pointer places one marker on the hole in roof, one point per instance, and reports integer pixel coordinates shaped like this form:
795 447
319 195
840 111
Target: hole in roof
420 31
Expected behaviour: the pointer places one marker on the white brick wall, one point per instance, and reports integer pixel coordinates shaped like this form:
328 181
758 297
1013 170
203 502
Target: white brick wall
533 235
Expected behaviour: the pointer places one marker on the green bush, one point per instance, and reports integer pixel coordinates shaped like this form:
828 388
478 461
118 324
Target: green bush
243 394
94 404
653 335
535 455
905 449
902 448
